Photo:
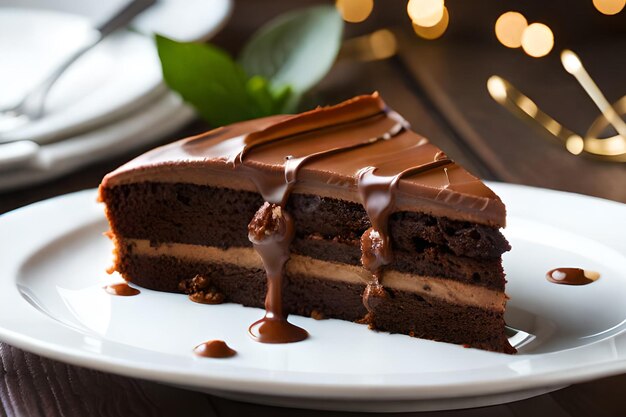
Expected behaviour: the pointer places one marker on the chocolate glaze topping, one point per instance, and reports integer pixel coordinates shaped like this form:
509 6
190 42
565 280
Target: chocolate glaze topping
358 150
214 349
265 144
122 289
572 276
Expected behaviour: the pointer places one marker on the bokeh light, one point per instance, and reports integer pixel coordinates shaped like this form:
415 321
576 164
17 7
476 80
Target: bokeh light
609 7
354 11
571 62
537 40
436 31
383 44
497 88
575 144
509 29
425 13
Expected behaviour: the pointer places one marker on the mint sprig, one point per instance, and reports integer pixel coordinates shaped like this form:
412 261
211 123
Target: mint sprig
296 49
280 63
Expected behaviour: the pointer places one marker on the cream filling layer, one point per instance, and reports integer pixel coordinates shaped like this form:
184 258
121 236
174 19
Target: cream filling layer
450 291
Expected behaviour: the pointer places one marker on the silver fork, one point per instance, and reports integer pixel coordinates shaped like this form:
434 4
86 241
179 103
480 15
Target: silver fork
518 338
31 107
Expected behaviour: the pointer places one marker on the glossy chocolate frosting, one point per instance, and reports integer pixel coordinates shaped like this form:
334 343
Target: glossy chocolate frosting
329 148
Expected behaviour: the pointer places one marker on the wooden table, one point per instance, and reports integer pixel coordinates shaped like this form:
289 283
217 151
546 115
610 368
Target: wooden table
440 87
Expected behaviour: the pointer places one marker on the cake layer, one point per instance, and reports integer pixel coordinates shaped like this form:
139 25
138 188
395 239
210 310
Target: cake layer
326 229
218 216
336 143
323 289
444 289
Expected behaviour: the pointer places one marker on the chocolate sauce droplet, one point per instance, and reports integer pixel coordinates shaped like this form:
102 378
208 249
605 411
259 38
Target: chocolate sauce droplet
214 349
374 295
572 276
122 289
375 250
276 329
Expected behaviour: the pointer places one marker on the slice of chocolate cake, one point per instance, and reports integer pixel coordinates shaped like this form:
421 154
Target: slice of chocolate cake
341 212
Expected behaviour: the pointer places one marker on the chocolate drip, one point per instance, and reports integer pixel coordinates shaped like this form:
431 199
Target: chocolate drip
122 289
572 276
378 194
271 229
214 349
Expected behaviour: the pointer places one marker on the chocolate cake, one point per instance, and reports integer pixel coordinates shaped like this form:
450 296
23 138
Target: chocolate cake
340 212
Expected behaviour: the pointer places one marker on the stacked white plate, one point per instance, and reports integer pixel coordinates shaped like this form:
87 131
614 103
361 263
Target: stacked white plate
110 101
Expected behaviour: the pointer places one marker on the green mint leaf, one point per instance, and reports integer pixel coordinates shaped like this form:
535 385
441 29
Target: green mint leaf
281 97
210 80
269 102
296 49
258 89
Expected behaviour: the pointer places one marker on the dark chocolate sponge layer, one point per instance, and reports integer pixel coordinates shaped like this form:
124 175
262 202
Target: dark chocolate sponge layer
219 217
309 296
438 320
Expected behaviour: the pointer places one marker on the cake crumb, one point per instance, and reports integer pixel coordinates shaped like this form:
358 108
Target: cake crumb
367 319
317 315
200 290
269 220
207 297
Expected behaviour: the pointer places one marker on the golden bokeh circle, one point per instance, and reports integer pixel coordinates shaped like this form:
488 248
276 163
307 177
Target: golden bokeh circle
425 13
537 40
509 28
575 144
609 7
436 31
354 11
383 44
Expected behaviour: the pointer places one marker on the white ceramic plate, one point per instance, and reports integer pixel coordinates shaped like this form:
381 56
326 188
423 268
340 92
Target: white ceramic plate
116 77
53 258
119 75
111 101
26 162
